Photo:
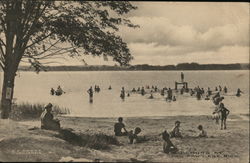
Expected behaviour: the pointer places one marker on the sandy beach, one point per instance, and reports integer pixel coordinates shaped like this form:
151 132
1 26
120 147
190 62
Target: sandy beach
19 143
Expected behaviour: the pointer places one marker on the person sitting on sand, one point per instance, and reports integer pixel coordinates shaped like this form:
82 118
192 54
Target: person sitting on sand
132 135
118 128
203 133
176 130
47 119
224 113
168 146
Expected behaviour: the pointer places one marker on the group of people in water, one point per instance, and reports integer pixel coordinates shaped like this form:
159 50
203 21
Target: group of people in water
57 92
220 113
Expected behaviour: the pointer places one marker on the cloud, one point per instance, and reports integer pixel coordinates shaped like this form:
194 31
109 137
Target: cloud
164 55
161 31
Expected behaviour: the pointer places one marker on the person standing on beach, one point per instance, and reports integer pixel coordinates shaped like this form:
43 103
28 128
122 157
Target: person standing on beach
182 77
224 113
90 92
118 128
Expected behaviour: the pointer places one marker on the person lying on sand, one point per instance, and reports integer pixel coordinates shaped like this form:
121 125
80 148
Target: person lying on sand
132 135
168 146
203 133
118 128
47 120
176 130
224 113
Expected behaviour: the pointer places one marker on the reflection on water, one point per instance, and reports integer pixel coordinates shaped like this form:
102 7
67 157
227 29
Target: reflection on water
34 88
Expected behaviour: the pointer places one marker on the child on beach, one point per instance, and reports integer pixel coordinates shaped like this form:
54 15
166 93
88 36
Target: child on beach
133 138
168 146
176 130
224 113
118 128
203 133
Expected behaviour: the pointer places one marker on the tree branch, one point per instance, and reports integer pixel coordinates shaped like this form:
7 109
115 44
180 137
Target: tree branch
39 40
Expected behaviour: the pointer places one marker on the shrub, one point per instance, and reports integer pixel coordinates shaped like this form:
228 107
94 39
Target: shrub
94 141
32 111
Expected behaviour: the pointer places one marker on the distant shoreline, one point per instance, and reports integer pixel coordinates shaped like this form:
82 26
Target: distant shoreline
145 67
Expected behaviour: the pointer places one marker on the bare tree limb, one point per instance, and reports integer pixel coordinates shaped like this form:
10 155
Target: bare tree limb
2 42
33 43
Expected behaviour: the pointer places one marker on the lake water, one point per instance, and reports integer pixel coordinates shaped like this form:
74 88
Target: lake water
35 88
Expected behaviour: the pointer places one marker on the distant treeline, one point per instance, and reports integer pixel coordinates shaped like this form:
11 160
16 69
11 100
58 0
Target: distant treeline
145 67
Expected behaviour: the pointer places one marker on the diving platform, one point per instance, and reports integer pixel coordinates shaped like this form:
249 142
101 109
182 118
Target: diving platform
183 84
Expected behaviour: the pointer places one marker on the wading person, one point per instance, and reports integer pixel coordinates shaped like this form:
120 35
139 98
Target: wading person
52 91
122 95
90 92
225 89
59 91
118 128
224 113
182 77
47 119
238 94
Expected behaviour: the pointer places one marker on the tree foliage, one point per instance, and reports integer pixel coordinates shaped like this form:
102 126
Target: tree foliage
34 31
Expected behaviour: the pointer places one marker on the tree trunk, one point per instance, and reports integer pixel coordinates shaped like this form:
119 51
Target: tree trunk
7 93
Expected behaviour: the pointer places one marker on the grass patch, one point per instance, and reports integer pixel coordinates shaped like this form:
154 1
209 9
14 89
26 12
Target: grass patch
33 111
94 141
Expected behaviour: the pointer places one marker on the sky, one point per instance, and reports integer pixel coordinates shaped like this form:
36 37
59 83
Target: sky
178 32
